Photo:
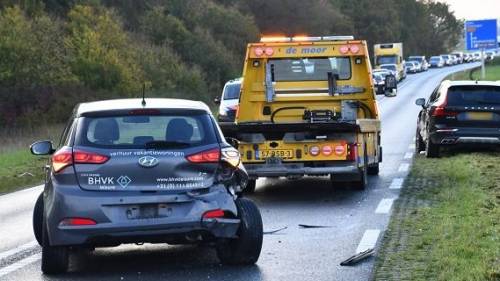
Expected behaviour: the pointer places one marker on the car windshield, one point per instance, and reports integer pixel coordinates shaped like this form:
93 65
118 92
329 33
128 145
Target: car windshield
232 91
419 59
473 95
310 69
435 59
387 60
140 132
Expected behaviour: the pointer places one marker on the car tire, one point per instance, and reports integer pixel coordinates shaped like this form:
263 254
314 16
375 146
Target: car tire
431 149
55 259
250 188
244 250
419 142
373 169
38 220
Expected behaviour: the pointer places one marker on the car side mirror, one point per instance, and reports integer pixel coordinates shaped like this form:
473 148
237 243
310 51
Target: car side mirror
217 100
233 142
420 102
42 148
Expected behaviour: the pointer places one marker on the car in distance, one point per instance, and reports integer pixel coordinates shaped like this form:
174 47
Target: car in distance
379 83
228 102
459 113
447 60
411 67
393 68
424 65
135 171
436 61
459 56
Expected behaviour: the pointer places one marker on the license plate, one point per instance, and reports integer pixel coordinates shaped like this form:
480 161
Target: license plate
479 116
283 154
149 211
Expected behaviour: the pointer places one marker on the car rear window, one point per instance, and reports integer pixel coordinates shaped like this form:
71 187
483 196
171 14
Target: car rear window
232 91
140 131
473 96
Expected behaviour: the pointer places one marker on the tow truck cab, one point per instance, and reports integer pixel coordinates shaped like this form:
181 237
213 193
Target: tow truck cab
307 107
390 53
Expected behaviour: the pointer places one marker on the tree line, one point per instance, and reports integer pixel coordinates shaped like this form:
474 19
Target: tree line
55 53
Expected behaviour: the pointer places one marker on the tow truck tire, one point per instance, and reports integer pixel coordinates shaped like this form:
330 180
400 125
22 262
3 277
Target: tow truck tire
431 149
419 142
374 169
362 183
55 259
38 220
244 250
250 188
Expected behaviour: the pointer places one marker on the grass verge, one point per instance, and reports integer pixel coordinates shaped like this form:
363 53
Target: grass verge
492 72
20 169
445 225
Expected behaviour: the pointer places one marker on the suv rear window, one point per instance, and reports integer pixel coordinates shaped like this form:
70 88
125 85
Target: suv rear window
473 96
310 69
232 91
138 131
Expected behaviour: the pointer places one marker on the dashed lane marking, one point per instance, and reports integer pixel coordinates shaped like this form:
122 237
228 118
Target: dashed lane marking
369 240
384 207
408 155
404 167
18 249
20 264
396 183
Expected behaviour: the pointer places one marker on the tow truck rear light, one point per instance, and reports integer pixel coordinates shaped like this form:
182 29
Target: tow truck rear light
62 159
269 51
327 150
208 156
314 150
353 152
344 49
339 150
354 49
258 51
218 213
77 222
82 157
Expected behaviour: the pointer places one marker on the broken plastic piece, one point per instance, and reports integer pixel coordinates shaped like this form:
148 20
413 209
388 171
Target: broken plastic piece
314 226
275 231
358 257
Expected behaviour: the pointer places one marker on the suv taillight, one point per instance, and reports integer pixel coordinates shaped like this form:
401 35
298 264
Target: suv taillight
65 157
208 156
440 109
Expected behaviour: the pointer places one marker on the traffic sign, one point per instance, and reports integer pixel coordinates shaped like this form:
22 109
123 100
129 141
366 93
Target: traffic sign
481 34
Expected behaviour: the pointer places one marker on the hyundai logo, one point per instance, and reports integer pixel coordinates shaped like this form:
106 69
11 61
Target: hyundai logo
148 161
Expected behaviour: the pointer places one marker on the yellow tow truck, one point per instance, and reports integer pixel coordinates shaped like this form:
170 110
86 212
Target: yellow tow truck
390 56
307 107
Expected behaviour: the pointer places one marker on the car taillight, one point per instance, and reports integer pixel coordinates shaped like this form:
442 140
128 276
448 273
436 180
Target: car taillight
209 156
62 159
353 152
82 157
218 213
77 222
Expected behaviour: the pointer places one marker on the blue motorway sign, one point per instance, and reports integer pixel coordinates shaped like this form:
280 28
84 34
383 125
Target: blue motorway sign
481 34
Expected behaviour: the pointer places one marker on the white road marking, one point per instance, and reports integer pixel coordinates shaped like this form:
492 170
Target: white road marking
20 264
404 167
397 183
369 240
384 206
18 249
408 155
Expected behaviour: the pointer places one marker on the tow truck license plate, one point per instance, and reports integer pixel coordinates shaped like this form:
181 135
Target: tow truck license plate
283 154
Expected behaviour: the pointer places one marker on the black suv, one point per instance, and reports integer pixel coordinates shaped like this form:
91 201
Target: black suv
459 112
132 171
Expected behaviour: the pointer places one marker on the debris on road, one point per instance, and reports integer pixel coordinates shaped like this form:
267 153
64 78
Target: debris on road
275 231
358 257
25 174
314 226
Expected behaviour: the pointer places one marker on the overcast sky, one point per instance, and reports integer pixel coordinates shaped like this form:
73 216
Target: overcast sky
476 9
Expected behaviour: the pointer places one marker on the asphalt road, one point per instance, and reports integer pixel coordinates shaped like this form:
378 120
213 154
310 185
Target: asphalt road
354 220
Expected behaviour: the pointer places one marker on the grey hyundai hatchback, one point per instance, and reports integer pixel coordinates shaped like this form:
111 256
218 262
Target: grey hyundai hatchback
134 171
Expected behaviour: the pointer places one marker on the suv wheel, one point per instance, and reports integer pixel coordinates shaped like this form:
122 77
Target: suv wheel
38 220
245 249
250 188
55 259
431 149
419 142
